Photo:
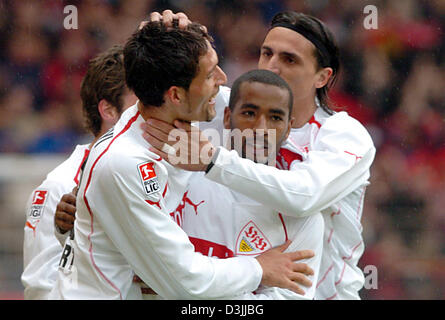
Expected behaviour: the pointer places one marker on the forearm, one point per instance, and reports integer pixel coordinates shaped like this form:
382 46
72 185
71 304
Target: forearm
160 253
304 190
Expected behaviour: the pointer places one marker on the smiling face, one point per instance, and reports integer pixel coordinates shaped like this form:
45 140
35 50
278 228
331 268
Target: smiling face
262 109
200 97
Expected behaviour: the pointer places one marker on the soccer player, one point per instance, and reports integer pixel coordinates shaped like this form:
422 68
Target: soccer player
223 223
335 149
104 97
123 225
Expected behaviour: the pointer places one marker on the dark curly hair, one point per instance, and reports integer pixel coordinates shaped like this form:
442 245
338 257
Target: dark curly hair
157 57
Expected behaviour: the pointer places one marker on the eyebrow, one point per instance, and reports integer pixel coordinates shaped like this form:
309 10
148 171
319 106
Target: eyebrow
284 53
255 107
277 111
249 106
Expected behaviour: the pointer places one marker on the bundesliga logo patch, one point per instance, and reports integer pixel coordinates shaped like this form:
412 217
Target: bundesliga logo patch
251 240
38 203
149 179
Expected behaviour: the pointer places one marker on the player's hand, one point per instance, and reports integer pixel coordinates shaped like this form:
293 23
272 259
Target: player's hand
66 211
181 144
280 269
169 19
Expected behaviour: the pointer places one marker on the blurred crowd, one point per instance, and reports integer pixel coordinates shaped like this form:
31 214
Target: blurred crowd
392 80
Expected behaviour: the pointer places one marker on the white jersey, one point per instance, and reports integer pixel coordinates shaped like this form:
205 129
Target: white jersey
124 227
41 249
336 153
223 223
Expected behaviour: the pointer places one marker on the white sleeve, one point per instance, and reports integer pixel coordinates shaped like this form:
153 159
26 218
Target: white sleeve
310 236
41 250
155 247
338 164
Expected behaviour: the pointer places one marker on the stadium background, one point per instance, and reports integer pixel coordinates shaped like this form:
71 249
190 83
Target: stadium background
393 81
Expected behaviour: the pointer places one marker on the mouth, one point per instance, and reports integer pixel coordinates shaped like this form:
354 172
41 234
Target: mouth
212 100
257 146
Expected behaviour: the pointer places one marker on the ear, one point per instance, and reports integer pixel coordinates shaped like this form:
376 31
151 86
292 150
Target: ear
108 113
323 77
227 116
175 95
289 126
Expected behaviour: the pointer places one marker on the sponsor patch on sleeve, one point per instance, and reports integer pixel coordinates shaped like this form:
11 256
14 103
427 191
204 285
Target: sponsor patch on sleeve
148 177
38 203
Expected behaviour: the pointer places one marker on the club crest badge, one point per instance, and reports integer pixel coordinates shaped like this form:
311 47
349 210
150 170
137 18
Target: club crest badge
251 241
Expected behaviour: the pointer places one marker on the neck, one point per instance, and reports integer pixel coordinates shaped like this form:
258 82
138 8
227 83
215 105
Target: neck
102 131
162 113
302 111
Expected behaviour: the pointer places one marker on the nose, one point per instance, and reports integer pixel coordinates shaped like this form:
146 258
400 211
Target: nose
272 65
261 124
222 77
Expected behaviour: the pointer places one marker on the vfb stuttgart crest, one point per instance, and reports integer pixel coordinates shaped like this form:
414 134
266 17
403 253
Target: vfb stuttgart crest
251 241
149 179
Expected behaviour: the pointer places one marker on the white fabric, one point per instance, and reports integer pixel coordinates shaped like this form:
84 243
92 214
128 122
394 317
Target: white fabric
224 223
336 153
41 248
124 227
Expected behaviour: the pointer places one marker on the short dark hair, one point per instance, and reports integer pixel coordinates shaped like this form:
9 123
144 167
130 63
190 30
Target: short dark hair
157 57
260 76
104 80
325 58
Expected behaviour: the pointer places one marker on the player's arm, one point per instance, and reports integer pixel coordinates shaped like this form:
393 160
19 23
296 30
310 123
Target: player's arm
159 251
40 217
39 246
338 165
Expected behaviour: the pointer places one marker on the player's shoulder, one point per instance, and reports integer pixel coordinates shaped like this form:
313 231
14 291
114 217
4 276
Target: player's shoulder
121 143
129 154
65 172
344 127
